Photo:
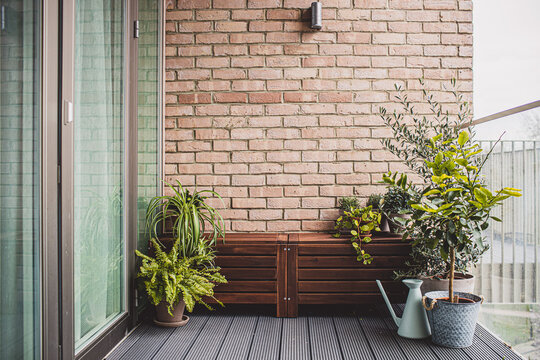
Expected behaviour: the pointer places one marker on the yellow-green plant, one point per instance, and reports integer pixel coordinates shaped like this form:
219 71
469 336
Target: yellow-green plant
360 222
454 209
170 277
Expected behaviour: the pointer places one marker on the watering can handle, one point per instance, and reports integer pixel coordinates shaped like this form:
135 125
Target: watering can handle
428 308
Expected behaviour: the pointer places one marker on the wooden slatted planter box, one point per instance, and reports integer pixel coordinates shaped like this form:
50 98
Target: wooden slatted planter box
295 269
323 270
255 268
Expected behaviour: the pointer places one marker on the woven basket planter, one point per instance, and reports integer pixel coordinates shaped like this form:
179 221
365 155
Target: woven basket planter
452 324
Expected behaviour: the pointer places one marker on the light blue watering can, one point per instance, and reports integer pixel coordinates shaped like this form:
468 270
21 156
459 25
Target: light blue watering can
414 323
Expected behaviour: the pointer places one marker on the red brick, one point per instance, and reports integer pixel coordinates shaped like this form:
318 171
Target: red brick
300 214
318 61
212 62
281 14
296 97
211 14
247 14
198 98
265 98
265 168
265 49
193 4
249 203
248 180
247 85
245 38
229 4
309 225
265 26
230 97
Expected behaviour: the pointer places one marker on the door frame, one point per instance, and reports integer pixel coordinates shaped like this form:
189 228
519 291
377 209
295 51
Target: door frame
115 331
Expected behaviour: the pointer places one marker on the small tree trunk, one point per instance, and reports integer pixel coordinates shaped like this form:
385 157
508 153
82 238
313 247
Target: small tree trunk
451 277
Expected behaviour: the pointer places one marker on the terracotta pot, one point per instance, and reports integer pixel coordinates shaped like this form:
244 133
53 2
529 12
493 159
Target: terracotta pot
163 318
462 283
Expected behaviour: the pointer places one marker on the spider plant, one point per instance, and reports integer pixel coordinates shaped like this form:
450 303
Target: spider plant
191 218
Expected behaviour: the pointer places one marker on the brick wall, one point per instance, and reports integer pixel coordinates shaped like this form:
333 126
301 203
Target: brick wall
280 119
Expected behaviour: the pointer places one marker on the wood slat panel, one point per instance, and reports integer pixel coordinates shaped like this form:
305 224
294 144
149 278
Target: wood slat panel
249 273
328 237
245 261
247 286
244 298
347 249
348 286
250 238
349 261
345 274
345 298
229 249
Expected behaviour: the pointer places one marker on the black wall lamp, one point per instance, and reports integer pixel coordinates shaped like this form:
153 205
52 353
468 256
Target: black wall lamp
316 15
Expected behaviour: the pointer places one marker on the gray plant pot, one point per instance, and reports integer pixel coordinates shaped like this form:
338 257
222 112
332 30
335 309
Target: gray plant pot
452 325
462 283
395 227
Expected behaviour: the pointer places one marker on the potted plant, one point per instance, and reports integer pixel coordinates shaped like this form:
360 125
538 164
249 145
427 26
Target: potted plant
359 222
347 203
375 201
395 205
178 273
174 282
411 144
425 264
452 212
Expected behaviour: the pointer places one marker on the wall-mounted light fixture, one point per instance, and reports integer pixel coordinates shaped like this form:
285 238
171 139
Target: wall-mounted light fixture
316 15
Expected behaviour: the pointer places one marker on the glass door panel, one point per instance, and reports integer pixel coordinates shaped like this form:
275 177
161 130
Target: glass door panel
19 180
99 167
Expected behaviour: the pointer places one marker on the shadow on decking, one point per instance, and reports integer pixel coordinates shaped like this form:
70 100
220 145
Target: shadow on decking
329 332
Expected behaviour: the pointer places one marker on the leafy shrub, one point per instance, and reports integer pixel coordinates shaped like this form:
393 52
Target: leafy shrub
170 277
374 201
395 200
360 222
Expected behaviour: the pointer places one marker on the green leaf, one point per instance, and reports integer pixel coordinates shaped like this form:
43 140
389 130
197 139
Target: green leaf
463 138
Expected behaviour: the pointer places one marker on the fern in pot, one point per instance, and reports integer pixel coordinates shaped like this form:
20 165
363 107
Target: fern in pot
451 214
179 275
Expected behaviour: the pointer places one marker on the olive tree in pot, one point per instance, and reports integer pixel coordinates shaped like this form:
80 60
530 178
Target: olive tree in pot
182 276
455 208
411 143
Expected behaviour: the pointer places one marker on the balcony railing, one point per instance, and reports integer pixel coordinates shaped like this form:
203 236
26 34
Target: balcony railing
509 271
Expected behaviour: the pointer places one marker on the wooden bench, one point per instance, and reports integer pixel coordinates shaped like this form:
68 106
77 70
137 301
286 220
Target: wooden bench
255 268
322 269
290 270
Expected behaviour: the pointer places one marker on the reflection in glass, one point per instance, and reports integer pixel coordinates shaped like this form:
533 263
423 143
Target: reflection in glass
19 180
98 167
509 273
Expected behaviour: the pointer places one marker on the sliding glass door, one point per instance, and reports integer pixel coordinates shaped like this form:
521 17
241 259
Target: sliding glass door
99 191
19 180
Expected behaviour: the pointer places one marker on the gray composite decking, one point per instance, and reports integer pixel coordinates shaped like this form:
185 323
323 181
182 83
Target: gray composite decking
239 335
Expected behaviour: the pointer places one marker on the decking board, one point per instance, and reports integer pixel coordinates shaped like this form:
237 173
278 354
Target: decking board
315 336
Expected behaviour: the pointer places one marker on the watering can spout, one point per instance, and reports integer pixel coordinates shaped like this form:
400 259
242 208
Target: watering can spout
396 319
